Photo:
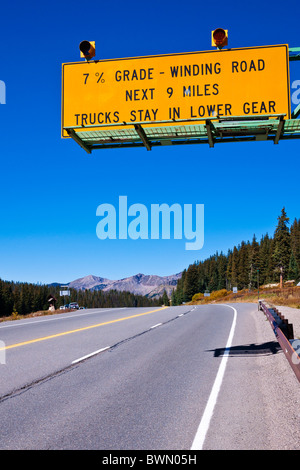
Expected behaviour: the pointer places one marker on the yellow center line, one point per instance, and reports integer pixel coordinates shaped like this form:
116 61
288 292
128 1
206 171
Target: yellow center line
79 329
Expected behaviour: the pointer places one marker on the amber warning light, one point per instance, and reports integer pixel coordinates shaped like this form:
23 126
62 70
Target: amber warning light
87 49
219 38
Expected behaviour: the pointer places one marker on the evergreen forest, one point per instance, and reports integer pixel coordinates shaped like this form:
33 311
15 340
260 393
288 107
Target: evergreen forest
20 298
270 260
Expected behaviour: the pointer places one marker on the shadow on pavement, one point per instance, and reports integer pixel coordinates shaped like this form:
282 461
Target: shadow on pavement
263 349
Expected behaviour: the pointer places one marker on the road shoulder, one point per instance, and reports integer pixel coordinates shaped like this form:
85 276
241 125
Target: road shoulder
258 405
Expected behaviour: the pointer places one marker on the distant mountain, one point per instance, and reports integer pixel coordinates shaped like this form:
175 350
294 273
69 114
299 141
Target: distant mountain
90 282
141 284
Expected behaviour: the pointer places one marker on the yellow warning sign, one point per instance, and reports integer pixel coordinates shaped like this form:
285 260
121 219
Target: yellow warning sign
176 87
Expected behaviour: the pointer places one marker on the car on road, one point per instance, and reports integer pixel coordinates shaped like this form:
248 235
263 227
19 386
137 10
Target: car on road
72 305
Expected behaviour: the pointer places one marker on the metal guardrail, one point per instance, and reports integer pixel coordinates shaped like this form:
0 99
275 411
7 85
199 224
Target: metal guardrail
285 336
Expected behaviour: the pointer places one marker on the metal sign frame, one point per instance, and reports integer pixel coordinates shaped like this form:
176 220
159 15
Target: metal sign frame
213 131
210 130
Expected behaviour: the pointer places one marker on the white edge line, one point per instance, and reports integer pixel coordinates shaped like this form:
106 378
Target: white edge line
154 326
208 412
90 355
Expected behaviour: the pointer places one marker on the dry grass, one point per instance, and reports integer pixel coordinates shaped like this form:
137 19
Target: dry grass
287 296
40 313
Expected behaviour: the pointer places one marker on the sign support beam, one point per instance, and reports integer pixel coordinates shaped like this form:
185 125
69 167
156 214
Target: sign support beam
209 133
279 130
143 136
77 139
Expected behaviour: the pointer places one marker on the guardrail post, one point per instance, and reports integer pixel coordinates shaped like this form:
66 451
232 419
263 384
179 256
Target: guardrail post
291 331
284 333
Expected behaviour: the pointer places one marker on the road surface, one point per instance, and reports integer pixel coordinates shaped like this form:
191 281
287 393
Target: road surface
176 378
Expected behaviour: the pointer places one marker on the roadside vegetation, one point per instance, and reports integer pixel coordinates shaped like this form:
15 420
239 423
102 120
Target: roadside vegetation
288 296
272 260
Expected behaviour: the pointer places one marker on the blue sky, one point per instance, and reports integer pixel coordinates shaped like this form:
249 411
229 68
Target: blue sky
50 188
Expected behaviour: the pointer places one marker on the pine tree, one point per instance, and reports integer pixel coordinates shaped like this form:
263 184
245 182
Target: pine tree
295 241
222 267
293 271
202 282
234 267
190 283
166 299
179 288
282 245
264 255
213 274
2 302
228 270
243 266
254 263
174 298
8 299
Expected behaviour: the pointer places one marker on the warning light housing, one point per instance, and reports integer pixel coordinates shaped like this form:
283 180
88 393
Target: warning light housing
219 38
87 49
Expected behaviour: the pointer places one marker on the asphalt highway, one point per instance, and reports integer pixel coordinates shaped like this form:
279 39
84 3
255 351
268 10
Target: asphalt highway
186 378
